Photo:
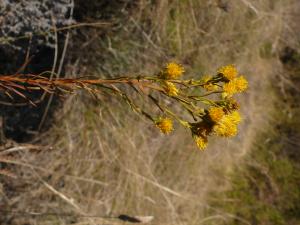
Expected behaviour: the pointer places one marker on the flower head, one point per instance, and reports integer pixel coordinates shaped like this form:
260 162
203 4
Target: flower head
165 125
241 84
170 89
228 72
227 126
216 113
229 88
236 85
201 142
235 117
172 71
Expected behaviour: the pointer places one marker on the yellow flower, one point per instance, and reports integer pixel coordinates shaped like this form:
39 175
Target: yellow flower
216 113
165 125
229 88
236 85
173 71
227 126
170 89
229 72
235 117
241 84
207 85
201 142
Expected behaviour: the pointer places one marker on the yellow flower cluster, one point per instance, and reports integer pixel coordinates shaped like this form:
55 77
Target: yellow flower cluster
228 72
219 122
170 89
165 125
172 71
220 119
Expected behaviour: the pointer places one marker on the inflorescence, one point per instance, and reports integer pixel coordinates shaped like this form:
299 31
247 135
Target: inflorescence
209 101
217 117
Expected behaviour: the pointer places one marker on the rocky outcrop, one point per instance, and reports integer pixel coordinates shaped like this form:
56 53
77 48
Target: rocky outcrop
26 29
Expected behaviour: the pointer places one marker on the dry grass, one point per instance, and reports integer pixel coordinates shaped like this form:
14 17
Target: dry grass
107 161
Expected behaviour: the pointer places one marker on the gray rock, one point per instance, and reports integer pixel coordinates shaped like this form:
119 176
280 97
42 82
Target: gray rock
29 17
19 18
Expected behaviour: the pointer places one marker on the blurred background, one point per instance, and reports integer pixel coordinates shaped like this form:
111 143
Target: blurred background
81 160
